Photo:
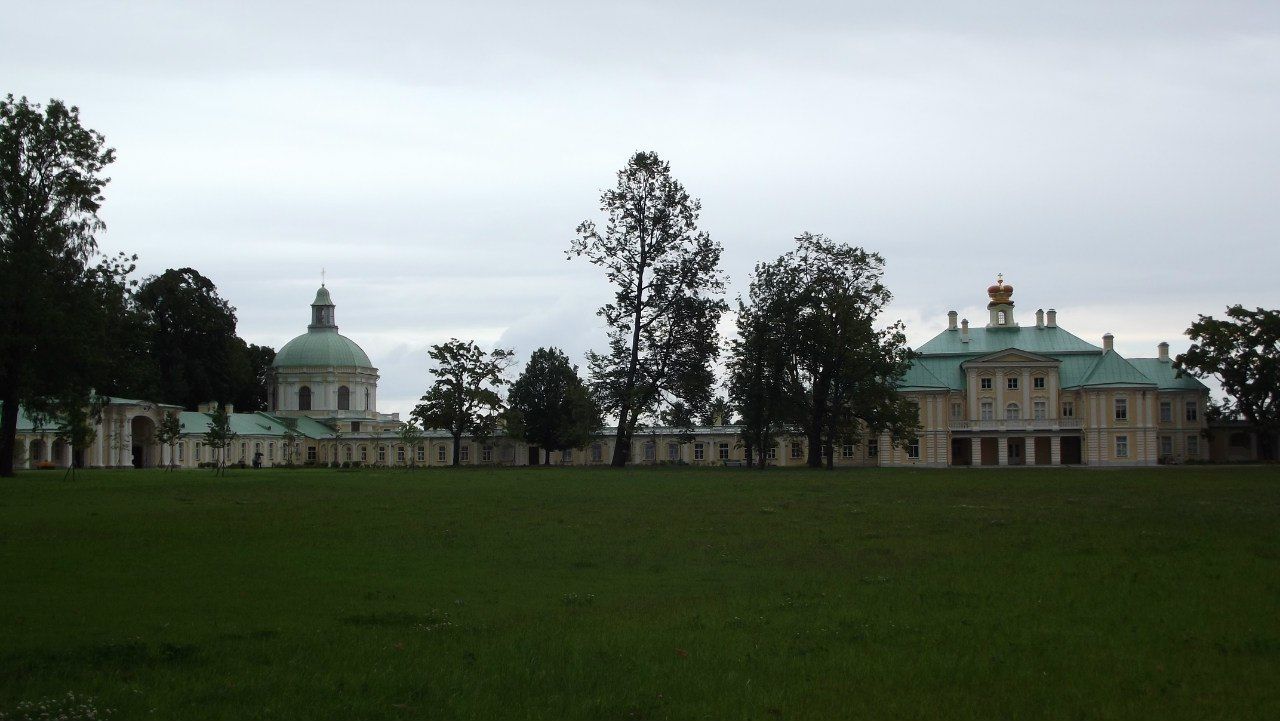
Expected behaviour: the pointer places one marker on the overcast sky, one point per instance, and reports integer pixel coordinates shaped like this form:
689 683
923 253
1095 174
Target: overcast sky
1116 161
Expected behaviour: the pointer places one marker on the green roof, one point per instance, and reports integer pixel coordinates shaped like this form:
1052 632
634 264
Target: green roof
322 297
1112 370
1080 363
1045 340
1165 376
256 424
323 347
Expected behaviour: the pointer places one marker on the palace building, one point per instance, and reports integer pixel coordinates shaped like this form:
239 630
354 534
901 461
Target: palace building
1008 394
996 395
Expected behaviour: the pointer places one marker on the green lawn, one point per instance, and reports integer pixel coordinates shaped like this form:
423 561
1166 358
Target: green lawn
645 594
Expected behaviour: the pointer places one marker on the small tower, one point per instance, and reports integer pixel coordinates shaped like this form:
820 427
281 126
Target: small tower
1001 305
322 311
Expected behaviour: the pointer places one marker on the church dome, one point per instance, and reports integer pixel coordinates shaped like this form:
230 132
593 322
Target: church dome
321 345
321 348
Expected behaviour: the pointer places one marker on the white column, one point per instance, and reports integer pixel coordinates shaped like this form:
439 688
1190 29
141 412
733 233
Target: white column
1055 450
1002 450
126 448
1029 454
975 451
99 442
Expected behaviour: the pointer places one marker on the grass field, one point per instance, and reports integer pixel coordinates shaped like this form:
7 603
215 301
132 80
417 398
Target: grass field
645 594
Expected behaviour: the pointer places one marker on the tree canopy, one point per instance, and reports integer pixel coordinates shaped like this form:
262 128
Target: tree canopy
465 398
1241 351
811 332
51 330
667 286
549 405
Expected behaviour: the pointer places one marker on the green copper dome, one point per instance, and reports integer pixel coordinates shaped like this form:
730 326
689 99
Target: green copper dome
321 345
321 348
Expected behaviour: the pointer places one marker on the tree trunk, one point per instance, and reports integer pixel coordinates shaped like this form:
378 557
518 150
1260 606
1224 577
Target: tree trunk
457 449
546 456
8 431
751 458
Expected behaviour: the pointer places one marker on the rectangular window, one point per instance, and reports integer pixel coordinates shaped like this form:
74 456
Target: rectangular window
400 454
650 451
772 453
699 451
957 411
364 454
566 456
181 452
797 450
1193 446
441 454
486 454
873 448
988 411
311 453
1012 383
382 454
984 384
673 451
1037 382
464 453
355 426
1122 446
1166 445
1193 411
1122 409
421 454
1166 411
196 455
913 448
724 451
846 451
1068 409
597 452
1040 409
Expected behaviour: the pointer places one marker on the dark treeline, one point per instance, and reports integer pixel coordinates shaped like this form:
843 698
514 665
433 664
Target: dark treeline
73 324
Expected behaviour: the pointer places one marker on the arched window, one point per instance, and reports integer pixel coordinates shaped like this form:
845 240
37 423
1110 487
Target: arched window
304 398
1000 318
344 398
1012 412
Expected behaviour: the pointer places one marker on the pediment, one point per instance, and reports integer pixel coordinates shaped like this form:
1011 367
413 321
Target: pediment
1011 356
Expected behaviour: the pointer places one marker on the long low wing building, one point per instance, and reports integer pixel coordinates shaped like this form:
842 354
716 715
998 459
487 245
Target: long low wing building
995 395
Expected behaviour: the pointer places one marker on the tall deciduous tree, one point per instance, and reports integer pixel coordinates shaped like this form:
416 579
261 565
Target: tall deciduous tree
550 406
410 437
1242 351
51 186
465 398
756 380
839 370
193 340
667 283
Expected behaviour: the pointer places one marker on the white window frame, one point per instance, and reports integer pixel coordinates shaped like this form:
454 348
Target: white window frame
1068 409
987 411
1038 382
913 449
1011 383
1166 411
1193 411
1121 407
1122 446
1040 410
1013 412
699 451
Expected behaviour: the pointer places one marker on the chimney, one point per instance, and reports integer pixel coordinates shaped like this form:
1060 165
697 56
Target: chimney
1164 351
964 331
1040 318
1052 319
951 320
1108 342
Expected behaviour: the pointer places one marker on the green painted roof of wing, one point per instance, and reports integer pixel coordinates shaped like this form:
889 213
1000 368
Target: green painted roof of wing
321 347
920 378
1045 340
1112 370
256 424
1165 376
